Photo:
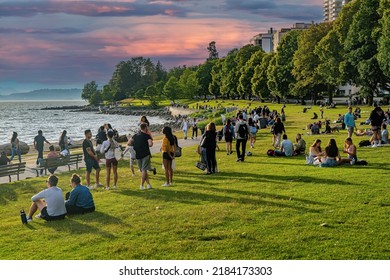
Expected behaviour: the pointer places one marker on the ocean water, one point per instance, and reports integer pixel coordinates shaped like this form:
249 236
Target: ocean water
26 118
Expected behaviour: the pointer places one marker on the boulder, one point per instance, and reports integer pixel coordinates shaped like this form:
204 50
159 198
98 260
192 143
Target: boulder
24 148
122 138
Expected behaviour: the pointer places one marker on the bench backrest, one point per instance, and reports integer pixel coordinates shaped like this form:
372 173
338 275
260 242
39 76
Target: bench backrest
12 169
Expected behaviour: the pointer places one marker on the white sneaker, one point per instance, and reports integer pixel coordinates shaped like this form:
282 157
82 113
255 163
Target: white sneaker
38 216
379 144
107 188
149 186
165 185
114 187
141 187
91 187
374 146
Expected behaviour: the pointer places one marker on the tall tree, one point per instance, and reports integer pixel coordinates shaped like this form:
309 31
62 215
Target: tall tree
361 47
203 75
259 79
172 89
229 75
91 93
216 77
384 41
213 54
247 72
305 71
279 73
189 83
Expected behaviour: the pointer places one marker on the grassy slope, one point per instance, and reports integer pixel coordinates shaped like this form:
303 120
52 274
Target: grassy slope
264 208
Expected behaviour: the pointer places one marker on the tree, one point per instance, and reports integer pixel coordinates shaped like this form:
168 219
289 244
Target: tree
384 41
244 72
247 72
91 93
203 75
216 71
229 75
189 83
152 95
259 79
361 47
305 71
279 72
213 54
172 89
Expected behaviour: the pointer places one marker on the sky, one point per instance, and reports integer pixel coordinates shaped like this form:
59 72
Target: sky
66 44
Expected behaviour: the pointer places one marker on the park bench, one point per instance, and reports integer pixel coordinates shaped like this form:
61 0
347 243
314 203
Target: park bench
12 169
45 164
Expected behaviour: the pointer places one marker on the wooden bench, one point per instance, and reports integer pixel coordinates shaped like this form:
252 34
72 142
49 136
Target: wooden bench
45 164
12 169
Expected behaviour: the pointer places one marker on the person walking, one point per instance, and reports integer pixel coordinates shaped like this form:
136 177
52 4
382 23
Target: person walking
184 127
242 133
39 142
209 145
168 148
349 120
278 130
15 148
194 128
108 149
142 142
91 159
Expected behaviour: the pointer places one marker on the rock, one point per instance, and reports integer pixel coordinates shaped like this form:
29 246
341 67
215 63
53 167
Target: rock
122 138
24 148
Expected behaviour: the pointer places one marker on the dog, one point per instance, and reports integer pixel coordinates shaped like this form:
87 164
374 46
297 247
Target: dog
334 129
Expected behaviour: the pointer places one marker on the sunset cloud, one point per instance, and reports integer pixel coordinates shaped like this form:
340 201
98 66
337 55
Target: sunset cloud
62 42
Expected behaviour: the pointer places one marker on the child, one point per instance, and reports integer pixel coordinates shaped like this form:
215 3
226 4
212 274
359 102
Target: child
130 148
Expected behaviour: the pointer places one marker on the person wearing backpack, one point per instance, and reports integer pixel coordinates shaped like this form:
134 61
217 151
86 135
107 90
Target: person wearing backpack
228 134
242 134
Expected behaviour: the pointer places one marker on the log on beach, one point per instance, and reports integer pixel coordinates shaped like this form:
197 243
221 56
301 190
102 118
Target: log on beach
24 148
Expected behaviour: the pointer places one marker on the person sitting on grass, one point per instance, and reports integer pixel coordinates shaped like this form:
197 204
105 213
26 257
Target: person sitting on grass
315 153
79 200
332 155
299 146
287 148
49 201
350 149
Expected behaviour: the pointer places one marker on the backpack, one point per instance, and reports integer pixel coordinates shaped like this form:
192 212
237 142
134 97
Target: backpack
243 131
364 143
253 129
228 133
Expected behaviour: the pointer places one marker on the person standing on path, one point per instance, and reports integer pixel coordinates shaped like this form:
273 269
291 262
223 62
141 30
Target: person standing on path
184 127
15 148
349 120
91 159
39 142
242 133
142 142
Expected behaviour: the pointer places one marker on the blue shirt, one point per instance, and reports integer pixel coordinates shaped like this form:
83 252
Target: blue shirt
349 120
80 196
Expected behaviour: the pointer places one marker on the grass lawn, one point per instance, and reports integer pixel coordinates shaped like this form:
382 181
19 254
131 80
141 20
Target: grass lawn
263 208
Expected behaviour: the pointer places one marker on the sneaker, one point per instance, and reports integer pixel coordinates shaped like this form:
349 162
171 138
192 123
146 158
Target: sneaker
239 159
165 185
149 186
114 187
374 146
107 188
141 187
37 216
29 219
154 171
231 152
98 185
353 161
91 187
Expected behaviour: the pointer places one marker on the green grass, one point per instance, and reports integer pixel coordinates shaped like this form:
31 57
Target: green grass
263 208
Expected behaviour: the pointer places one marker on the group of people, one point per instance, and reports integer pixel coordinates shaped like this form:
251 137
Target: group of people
52 205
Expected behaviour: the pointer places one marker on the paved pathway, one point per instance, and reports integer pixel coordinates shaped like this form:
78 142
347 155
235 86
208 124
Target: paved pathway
31 157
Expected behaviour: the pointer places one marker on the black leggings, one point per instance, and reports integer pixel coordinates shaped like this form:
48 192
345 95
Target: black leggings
211 161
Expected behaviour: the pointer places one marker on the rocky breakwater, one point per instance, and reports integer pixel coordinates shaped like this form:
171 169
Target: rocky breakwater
24 148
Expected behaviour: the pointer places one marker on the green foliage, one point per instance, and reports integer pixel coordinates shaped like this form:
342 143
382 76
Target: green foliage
189 84
244 87
172 89
203 75
384 41
229 75
260 79
91 93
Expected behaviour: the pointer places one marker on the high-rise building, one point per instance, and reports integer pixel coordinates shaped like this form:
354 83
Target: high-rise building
332 8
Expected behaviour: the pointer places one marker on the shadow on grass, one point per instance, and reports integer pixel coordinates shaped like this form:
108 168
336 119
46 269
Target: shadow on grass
81 224
172 194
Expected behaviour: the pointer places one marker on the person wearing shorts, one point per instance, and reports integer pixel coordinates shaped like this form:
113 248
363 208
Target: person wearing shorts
142 142
50 202
91 159
108 149
377 116
79 200
349 120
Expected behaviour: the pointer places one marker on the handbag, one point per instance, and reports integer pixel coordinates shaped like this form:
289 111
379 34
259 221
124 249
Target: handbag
201 165
178 151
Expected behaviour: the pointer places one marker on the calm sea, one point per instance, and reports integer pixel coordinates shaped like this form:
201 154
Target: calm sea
26 118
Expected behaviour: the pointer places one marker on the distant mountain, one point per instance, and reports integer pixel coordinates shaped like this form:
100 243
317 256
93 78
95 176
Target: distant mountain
45 94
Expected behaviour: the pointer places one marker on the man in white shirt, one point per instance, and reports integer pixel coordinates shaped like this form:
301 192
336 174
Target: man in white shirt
49 201
287 148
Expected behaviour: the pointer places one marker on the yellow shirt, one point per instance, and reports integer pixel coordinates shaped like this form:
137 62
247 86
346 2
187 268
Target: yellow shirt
166 146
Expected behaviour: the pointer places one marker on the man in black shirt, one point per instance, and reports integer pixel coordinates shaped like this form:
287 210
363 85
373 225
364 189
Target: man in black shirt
91 159
141 142
39 141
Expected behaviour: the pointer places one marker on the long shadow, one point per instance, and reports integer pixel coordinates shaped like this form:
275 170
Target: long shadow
77 228
7 194
195 198
262 194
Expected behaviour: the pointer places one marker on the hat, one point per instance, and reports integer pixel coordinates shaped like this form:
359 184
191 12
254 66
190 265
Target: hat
110 133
